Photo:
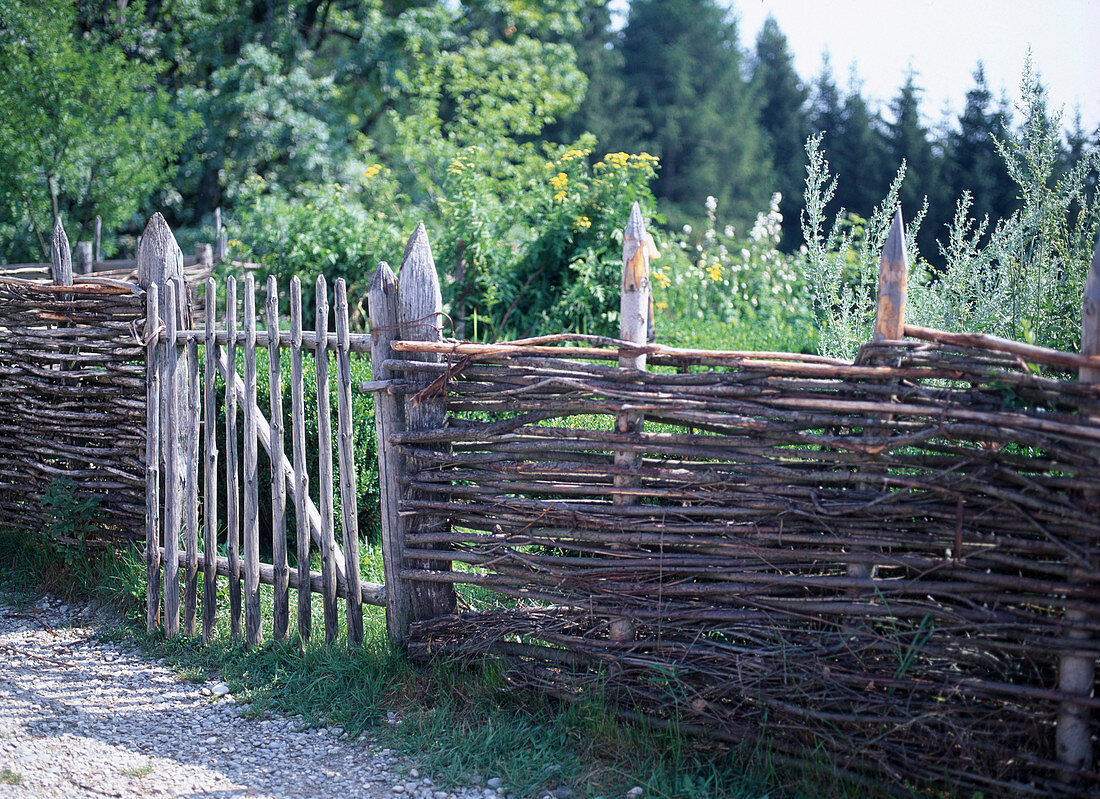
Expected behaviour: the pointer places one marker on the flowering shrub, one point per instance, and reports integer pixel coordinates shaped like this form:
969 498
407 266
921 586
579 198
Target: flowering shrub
541 251
747 285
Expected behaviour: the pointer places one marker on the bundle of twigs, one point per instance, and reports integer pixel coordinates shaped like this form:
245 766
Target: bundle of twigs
72 402
873 559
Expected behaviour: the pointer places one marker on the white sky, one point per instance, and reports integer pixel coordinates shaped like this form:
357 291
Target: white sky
942 40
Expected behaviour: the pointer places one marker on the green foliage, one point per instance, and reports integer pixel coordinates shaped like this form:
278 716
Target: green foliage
1020 278
84 127
335 230
744 284
696 111
545 251
69 519
842 261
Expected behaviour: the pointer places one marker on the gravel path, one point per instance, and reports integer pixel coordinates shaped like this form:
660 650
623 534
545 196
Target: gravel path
81 718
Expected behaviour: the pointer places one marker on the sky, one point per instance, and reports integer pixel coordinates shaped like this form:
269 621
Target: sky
942 40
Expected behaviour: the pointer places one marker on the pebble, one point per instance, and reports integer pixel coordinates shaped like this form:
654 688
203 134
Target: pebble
635 792
82 718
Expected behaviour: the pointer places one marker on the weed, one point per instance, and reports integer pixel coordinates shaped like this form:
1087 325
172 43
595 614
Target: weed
138 771
10 777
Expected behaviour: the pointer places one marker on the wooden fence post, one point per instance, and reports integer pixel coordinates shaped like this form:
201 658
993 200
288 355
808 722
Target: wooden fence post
382 304
221 239
633 327
85 255
152 459
190 454
97 238
160 261
61 260
893 285
1077 673
420 318
345 438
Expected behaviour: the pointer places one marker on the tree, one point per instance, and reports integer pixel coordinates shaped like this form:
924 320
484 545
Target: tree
785 120
975 164
699 115
908 141
84 127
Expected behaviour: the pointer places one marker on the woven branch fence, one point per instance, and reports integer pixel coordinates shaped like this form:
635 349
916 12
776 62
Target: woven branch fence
891 567
72 402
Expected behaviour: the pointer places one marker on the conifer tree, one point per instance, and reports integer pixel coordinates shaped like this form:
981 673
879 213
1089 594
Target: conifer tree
698 113
975 164
785 120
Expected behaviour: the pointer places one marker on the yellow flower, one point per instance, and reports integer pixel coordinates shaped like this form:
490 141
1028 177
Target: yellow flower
662 305
662 279
583 223
715 271
575 154
559 182
371 171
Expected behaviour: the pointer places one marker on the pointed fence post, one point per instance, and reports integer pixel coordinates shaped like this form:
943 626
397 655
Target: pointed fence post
893 285
388 419
160 262
280 624
152 458
420 318
634 328
1077 672
61 260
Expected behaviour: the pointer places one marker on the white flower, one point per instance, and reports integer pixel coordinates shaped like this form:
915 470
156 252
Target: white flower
687 228
712 204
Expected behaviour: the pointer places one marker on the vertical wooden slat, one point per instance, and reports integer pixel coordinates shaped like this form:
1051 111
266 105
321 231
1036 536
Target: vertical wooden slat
252 623
420 318
281 617
221 240
1077 673
152 458
97 239
301 474
633 327
388 419
232 486
190 441
210 469
324 463
172 494
349 506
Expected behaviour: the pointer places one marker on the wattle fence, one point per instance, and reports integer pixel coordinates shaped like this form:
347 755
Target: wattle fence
890 566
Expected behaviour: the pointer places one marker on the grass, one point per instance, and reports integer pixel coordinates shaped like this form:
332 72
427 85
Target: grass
9 777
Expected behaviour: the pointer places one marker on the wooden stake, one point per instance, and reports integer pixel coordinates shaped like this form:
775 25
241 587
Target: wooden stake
152 460
893 285
633 327
189 417
349 510
281 619
301 474
172 493
324 463
210 470
1077 673
97 239
420 318
253 634
388 419
61 260
232 486
82 263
